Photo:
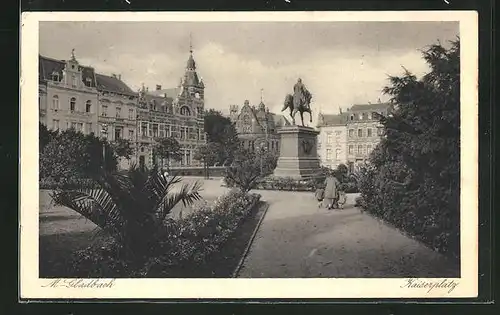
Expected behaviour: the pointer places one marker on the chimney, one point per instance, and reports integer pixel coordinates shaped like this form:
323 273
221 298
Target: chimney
158 87
120 77
113 75
379 100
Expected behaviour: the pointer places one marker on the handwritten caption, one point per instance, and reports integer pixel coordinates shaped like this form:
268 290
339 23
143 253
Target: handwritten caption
430 285
81 283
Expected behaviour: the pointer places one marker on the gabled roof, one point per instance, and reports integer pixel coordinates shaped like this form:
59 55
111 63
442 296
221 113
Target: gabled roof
113 84
171 93
48 66
332 119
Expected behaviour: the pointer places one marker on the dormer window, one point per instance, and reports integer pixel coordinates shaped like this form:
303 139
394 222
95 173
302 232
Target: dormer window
55 76
88 82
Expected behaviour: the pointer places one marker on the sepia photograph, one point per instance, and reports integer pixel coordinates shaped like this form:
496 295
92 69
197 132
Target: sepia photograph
209 155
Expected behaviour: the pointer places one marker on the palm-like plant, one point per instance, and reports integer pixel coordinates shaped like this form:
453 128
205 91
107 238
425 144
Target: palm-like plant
131 207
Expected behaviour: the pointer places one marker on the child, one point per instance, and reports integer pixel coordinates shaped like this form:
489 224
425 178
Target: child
320 194
342 197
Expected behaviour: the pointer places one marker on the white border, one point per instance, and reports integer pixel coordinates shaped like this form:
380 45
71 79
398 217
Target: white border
32 287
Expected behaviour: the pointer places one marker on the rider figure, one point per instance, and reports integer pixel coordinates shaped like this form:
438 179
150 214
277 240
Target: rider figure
300 90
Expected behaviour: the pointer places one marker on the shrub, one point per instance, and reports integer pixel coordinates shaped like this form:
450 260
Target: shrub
189 243
414 177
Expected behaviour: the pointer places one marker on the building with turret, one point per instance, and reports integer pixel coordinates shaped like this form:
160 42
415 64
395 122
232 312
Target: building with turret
256 126
172 112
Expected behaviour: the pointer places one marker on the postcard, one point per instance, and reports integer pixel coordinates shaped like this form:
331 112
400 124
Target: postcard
249 155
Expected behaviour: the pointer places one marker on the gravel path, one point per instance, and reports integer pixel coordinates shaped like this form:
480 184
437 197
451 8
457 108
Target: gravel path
299 240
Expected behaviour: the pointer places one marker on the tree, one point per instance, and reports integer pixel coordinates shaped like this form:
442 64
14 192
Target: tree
414 174
244 171
123 148
221 130
167 148
131 208
208 154
45 136
341 173
73 155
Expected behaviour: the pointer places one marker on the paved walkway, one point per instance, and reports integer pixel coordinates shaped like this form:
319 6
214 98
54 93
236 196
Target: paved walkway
297 239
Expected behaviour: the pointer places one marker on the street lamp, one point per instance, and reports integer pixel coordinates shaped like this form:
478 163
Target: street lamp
104 132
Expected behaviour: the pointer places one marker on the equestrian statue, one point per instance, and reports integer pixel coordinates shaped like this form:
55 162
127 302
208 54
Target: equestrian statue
300 101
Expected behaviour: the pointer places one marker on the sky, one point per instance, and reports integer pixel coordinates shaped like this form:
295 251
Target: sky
341 63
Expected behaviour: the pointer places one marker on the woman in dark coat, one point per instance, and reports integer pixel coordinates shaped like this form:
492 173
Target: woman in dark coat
331 190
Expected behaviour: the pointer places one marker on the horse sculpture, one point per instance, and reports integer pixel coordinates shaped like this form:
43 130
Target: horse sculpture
298 104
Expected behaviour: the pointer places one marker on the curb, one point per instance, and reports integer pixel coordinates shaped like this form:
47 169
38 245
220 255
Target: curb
250 242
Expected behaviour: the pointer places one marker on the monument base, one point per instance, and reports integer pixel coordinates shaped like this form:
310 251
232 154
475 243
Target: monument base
298 152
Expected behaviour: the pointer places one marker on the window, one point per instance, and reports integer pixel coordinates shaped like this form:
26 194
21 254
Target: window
337 154
72 104
55 76
363 150
88 81
369 149
104 130
185 111
118 112
162 131
73 125
79 127
369 115
55 102
131 135
104 110
155 130
89 128
351 133
352 117
351 149
328 154
55 123
118 133
360 149
144 129
369 132
131 114
338 133
88 106
73 81
380 131
360 116
183 132
329 138
360 133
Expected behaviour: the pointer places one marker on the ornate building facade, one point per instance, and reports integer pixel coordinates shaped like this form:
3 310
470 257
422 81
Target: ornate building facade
68 95
349 137
174 112
75 96
257 127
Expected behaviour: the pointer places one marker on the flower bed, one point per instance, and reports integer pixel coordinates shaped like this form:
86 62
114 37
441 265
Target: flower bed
193 240
290 184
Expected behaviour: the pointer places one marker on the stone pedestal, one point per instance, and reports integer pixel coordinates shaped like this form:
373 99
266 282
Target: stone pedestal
298 152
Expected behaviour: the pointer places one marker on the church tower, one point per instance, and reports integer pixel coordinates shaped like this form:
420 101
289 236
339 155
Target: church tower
192 90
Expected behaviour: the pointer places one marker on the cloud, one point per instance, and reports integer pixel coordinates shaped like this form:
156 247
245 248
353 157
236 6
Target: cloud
341 63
